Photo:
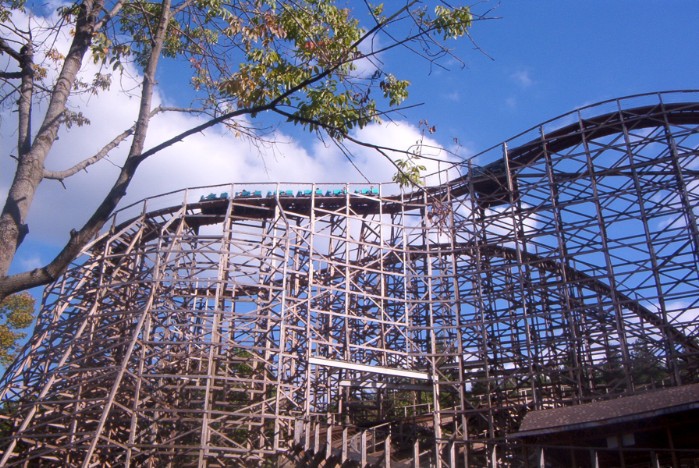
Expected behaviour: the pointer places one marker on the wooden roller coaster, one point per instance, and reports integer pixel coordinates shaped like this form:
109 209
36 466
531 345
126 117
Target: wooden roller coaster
325 324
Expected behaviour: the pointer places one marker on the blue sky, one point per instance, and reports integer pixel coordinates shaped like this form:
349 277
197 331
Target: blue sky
540 59
549 57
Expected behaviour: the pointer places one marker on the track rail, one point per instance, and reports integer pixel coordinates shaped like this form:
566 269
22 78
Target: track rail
483 181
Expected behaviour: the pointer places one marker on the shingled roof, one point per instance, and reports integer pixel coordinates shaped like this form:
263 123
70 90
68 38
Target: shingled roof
603 413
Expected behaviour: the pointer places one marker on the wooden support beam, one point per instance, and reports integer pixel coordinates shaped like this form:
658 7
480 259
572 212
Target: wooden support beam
410 374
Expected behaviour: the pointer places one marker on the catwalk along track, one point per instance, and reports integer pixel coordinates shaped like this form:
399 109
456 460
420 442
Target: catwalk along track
297 324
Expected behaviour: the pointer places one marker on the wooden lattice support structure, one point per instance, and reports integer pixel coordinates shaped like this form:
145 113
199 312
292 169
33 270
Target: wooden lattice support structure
253 328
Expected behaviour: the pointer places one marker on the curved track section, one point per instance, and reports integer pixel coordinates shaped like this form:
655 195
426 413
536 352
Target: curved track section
231 330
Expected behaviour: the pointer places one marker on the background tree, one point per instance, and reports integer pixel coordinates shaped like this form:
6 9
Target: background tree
16 313
296 59
647 367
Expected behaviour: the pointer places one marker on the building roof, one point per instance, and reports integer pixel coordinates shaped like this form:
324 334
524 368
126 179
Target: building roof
603 413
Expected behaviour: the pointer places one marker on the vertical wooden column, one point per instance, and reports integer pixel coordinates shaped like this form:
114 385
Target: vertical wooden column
329 440
363 449
387 451
344 445
594 460
540 459
416 454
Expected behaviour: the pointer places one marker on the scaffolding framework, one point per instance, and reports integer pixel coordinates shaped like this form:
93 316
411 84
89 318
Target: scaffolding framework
253 328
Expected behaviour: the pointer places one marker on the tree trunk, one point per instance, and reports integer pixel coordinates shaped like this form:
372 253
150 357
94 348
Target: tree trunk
34 171
32 155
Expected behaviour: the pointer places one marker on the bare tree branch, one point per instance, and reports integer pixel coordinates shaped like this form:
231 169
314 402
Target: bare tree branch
109 15
384 151
5 47
184 110
102 153
85 163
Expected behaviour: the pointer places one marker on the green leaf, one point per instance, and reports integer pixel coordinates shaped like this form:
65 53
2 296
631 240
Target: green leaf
16 313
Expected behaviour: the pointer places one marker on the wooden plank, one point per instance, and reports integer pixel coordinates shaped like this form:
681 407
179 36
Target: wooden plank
410 374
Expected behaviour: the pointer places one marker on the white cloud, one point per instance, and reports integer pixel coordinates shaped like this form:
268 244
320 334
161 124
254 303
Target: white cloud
522 78
403 137
368 65
214 157
454 96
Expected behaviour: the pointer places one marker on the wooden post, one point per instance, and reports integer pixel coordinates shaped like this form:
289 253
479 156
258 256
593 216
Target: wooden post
329 442
298 432
363 449
387 451
316 438
307 434
416 454
671 444
540 461
622 460
344 445
493 456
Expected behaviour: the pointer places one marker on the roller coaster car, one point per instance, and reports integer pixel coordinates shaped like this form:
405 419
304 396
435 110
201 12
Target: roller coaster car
211 196
371 191
281 193
213 204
